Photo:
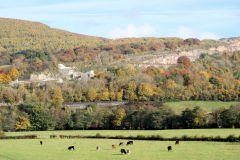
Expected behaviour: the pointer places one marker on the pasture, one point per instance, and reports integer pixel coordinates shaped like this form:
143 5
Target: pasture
85 149
207 106
30 149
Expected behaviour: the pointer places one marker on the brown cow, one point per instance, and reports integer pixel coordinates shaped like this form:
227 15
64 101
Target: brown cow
98 148
177 142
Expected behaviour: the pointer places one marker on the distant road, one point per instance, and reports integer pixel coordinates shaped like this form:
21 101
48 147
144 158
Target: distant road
82 105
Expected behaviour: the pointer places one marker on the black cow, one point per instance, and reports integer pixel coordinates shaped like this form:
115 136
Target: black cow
121 143
130 143
41 142
123 151
71 148
169 148
177 142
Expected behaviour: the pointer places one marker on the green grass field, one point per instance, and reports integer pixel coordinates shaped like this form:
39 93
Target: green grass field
85 149
164 133
208 106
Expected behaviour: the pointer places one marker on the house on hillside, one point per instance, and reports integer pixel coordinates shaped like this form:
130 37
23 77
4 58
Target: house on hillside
70 73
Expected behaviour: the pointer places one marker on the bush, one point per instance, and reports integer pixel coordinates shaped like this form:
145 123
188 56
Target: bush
141 137
155 137
119 136
231 138
98 135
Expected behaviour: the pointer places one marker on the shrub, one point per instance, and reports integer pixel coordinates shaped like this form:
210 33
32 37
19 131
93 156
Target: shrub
98 135
231 138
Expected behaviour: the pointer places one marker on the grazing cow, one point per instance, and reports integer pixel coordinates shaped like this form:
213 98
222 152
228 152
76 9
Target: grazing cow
98 148
123 151
121 143
128 151
169 148
113 146
41 142
71 148
130 143
177 142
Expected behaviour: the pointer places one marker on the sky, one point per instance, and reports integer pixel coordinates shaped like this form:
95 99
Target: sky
201 19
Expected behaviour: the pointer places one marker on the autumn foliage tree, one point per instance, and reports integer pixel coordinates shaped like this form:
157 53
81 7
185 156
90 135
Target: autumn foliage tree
13 73
22 123
185 61
57 98
120 115
145 91
91 94
5 78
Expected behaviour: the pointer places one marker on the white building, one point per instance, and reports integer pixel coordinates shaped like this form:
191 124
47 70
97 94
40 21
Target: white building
69 73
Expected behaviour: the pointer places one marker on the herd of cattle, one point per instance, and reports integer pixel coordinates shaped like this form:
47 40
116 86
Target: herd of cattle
123 151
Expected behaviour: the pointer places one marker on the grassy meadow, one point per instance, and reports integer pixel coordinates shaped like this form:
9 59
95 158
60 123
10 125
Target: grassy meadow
207 106
85 149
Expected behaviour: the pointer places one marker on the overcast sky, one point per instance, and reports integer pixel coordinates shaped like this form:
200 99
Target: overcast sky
132 18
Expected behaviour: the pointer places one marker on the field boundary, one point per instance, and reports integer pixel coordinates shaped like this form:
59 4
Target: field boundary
19 137
230 138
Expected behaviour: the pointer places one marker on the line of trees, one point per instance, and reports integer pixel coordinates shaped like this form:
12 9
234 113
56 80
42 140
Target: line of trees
132 116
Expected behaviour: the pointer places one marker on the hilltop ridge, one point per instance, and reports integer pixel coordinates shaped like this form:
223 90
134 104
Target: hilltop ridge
17 35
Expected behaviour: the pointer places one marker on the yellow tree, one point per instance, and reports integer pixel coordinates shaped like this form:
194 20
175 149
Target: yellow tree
121 73
13 73
171 84
131 71
200 119
145 90
104 96
57 98
112 96
22 123
91 94
130 93
1 132
120 115
235 56
119 95
38 64
159 92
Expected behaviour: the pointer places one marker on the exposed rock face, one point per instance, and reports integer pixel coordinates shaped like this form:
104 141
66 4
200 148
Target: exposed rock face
232 44
166 59
170 58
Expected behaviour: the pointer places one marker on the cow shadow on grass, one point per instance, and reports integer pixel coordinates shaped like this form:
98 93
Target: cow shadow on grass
107 149
117 154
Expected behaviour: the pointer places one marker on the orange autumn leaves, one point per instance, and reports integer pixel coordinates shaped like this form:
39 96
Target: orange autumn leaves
12 75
